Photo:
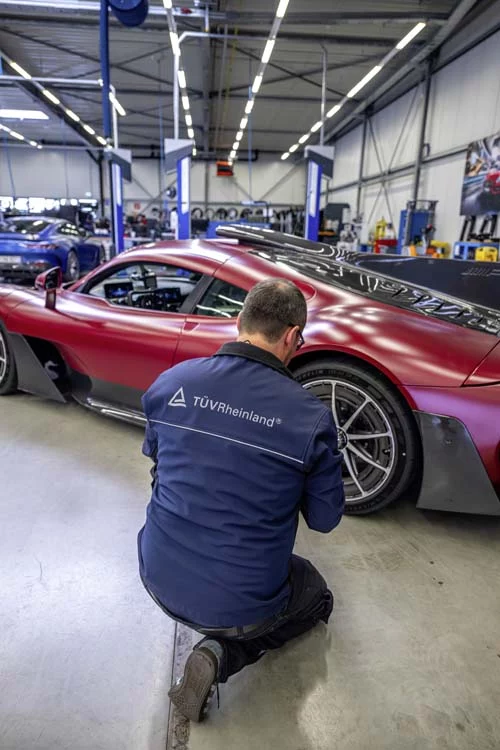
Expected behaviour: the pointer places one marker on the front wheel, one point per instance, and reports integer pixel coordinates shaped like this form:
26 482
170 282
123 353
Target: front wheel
8 371
72 267
377 435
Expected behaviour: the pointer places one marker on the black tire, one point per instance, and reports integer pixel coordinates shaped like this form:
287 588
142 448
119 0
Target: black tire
72 272
385 413
8 369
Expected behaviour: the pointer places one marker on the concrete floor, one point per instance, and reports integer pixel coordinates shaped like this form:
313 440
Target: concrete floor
411 660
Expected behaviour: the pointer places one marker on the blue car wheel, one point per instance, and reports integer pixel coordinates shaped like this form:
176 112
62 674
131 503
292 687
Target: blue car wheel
72 272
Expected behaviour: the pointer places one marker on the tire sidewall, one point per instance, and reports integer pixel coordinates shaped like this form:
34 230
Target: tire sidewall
68 276
8 384
406 438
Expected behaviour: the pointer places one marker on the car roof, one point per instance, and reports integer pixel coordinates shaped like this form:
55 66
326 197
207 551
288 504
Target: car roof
206 254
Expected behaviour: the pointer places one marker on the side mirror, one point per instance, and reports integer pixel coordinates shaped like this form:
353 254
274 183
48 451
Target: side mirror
50 281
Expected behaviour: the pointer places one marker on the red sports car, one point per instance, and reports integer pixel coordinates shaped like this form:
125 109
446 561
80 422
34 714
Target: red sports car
406 351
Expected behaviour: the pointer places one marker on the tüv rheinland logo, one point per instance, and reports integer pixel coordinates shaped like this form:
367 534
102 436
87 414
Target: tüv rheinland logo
221 407
178 399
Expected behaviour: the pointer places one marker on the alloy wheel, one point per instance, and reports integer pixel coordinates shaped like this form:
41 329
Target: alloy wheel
365 437
3 357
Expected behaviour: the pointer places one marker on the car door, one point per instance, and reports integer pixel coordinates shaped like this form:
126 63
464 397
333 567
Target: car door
121 331
212 323
86 252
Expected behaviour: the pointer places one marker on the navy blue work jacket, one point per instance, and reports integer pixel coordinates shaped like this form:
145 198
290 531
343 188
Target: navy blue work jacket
240 449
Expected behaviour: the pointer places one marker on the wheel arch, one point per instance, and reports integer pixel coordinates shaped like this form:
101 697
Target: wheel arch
335 355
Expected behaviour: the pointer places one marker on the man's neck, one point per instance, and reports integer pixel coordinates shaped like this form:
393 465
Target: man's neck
259 341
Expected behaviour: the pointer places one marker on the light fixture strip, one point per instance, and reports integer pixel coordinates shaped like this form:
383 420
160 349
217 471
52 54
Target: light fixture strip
266 56
405 41
181 75
54 100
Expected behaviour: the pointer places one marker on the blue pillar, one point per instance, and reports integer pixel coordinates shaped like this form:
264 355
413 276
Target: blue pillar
117 207
314 175
183 198
104 50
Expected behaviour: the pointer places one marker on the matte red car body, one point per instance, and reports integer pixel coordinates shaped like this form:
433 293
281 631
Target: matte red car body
438 367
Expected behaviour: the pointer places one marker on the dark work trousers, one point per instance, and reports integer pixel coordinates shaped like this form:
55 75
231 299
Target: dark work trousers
310 602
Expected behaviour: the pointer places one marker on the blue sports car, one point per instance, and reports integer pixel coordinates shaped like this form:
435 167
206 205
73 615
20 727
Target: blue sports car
32 244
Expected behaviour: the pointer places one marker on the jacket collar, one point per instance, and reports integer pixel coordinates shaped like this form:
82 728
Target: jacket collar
254 353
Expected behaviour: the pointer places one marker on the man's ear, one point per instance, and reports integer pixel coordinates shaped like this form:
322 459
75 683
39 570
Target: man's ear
238 323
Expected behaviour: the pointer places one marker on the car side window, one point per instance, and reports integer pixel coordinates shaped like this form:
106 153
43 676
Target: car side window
70 230
222 300
147 286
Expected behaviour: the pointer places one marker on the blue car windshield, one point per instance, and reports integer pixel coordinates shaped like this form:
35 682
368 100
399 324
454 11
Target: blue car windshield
27 226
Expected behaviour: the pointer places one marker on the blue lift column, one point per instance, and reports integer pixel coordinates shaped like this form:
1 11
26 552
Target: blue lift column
320 162
130 13
178 157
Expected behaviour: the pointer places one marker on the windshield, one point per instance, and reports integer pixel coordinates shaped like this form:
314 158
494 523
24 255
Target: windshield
25 225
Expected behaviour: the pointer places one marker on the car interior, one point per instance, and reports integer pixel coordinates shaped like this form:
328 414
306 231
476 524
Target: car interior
147 286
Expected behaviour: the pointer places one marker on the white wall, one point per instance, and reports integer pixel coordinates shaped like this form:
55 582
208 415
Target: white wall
464 106
27 172
73 174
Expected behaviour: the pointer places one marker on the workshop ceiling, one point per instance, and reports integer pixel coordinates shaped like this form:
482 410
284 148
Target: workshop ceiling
60 39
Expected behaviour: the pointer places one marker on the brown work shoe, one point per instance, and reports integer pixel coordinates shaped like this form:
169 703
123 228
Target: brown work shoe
192 694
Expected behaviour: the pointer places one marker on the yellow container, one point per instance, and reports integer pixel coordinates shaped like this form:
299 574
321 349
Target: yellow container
441 249
487 254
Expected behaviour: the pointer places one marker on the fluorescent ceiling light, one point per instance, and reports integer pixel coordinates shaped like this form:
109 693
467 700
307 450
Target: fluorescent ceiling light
411 35
39 146
182 79
174 41
195 152
116 104
239 135
285 156
280 13
102 140
236 145
22 72
304 138
23 114
249 107
232 155
316 126
89 130
368 77
257 84
268 51
293 148
243 123
185 103
189 121
50 96
167 4
334 110
33 143
191 133
16 135
71 114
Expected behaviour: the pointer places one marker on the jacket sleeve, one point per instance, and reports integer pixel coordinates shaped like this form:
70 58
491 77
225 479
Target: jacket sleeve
323 501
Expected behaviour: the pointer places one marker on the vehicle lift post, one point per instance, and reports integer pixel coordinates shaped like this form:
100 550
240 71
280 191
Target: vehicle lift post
130 13
320 162
178 153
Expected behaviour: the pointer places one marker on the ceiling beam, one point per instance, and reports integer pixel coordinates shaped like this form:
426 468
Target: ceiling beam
462 8
83 55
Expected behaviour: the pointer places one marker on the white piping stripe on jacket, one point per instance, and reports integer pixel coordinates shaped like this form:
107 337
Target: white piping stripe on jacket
231 440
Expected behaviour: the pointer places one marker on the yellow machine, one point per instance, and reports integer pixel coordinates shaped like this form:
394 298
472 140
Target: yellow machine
487 254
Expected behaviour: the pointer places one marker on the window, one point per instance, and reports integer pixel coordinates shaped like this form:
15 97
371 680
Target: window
27 226
70 230
222 300
147 286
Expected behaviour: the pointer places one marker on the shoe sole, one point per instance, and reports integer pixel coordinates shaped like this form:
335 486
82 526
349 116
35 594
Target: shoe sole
192 695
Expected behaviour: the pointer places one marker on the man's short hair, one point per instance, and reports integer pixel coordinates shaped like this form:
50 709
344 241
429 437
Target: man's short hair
271 307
